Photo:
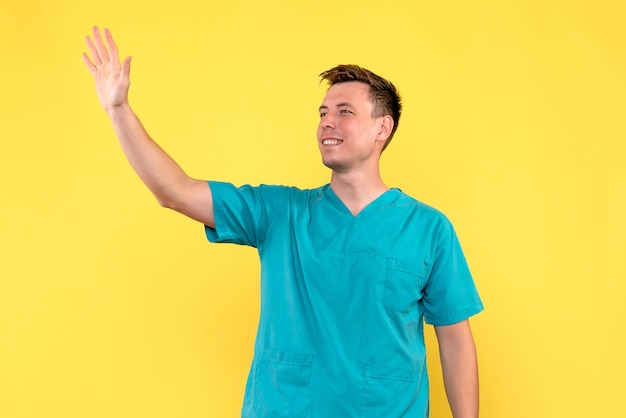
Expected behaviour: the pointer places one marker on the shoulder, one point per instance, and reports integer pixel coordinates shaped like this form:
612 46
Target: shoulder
260 188
264 193
425 220
290 192
417 207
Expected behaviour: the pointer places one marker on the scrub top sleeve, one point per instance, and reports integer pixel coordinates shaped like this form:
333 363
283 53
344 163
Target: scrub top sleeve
238 217
450 295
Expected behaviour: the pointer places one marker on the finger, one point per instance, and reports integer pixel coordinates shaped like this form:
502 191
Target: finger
126 69
94 53
100 47
112 46
92 68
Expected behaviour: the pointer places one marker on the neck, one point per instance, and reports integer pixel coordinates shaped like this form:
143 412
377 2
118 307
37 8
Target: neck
357 190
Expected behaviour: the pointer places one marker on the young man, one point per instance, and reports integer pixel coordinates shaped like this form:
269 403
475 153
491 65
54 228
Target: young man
349 271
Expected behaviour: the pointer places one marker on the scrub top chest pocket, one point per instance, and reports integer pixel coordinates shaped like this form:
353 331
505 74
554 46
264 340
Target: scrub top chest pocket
404 281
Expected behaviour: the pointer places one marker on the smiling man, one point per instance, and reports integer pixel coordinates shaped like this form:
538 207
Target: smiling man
350 271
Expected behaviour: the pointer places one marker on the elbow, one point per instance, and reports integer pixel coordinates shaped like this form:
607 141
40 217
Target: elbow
166 201
169 196
177 205
167 204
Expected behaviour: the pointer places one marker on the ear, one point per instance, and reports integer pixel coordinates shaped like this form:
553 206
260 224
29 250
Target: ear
386 126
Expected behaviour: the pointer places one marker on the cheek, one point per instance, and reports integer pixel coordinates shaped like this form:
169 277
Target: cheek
320 130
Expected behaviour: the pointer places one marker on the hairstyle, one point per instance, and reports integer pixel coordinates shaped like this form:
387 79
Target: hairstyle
383 93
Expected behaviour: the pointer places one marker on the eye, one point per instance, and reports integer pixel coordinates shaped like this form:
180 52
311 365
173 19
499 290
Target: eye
322 114
345 111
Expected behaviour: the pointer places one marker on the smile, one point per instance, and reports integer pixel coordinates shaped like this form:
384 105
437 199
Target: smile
331 141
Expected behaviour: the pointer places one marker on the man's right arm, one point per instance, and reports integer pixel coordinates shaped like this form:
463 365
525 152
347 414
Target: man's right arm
171 186
167 181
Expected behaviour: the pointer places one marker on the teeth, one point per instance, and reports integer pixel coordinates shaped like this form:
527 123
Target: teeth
332 142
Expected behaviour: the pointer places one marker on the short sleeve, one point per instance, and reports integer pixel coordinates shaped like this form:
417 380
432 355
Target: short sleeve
450 295
238 214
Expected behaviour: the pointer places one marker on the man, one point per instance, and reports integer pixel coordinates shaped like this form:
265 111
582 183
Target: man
349 271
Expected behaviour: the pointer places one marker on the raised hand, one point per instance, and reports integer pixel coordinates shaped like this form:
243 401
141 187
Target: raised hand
112 78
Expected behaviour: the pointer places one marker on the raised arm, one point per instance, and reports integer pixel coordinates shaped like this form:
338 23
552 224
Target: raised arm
171 186
460 368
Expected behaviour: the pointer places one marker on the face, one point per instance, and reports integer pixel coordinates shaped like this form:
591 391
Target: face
348 136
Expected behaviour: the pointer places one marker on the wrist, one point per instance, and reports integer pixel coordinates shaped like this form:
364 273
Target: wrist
117 111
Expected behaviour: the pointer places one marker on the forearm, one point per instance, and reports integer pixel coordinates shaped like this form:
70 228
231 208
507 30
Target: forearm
460 370
161 174
165 179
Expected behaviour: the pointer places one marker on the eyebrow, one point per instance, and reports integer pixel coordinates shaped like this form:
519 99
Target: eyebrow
342 104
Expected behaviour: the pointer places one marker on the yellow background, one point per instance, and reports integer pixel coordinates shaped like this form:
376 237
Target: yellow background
514 126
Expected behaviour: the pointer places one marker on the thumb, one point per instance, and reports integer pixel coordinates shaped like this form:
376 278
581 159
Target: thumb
126 68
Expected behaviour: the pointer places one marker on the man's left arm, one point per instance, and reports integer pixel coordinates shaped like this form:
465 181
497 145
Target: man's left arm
460 368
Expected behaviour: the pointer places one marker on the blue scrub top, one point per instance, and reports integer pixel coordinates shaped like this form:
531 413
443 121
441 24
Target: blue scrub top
344 298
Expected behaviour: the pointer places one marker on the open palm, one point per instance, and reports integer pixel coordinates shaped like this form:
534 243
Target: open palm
112 78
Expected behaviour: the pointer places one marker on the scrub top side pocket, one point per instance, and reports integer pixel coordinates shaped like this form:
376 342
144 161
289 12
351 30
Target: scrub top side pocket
389 392
283 384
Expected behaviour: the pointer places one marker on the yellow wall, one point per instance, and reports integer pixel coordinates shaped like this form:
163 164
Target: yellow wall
514 126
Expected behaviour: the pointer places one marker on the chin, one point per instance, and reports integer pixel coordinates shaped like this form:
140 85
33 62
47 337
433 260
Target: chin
334 165
329 163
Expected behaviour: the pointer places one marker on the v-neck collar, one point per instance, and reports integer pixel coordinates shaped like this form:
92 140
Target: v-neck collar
385 198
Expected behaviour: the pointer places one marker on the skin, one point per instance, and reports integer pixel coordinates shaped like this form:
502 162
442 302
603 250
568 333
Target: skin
350 140
460 368
171 186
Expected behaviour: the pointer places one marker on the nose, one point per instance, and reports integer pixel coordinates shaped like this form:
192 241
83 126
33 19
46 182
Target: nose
327 121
